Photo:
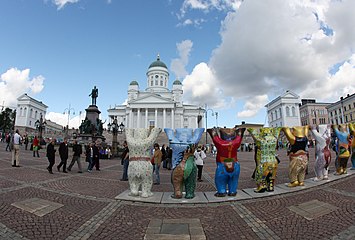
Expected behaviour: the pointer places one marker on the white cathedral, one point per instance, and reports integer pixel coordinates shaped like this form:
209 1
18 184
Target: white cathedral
157 105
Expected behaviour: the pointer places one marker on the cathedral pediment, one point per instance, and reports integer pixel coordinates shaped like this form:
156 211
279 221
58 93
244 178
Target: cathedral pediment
151 98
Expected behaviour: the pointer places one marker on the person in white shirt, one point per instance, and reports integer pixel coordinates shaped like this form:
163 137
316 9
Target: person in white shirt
199 157
16 149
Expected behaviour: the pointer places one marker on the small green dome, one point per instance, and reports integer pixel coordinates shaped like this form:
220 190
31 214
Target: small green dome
134 83
158 63
177 82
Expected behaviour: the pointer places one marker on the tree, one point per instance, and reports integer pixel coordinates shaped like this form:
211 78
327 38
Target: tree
7 119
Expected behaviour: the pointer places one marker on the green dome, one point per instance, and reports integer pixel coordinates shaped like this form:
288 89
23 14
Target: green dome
177 82
158 63
134 83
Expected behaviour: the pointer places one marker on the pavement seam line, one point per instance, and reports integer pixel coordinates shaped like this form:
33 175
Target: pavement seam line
258 226
341 192
91 225
7 233
209 179
347 234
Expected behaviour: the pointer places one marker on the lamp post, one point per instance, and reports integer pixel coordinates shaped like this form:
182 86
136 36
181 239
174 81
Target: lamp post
206 116
115 129
40 126
67 111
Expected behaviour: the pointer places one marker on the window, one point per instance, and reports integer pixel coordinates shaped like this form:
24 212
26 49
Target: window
349 106
151 83
293 111
344 108
25 112
314 121
156 82
31 114
280 113
161 82
287 111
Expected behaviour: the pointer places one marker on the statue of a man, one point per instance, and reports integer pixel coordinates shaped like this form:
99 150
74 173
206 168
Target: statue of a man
94 94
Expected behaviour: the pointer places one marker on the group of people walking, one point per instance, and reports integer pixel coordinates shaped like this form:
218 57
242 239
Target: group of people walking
91 152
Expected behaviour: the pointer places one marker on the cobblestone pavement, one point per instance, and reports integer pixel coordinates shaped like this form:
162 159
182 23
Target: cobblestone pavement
87 209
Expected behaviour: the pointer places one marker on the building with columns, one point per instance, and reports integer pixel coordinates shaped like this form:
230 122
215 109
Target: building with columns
284 111
157 105
28 111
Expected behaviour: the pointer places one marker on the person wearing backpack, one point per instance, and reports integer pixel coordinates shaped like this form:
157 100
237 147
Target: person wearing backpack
199 160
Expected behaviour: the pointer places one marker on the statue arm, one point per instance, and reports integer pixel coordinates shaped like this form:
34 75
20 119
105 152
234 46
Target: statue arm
197 135
170 134
254 134
289 135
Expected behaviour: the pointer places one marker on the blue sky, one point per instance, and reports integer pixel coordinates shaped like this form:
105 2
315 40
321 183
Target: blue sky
233 55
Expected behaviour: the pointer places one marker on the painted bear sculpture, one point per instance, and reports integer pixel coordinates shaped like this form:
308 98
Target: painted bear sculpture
140 169
227 142
298 154
343 152
265 140
182 142
322 135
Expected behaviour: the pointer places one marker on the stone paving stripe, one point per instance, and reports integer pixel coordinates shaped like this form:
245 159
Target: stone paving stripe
7 233
260 228
209 179
156 198
348 234
90 226
341 192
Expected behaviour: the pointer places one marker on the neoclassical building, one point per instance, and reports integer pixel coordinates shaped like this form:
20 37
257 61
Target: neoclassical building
28 111
157 105
284 110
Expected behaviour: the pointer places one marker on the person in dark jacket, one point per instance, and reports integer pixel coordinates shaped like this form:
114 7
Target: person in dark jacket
96 158
63 153
77 151
51 155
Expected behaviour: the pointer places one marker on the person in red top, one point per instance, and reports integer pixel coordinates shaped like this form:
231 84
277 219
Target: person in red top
227 142
35 146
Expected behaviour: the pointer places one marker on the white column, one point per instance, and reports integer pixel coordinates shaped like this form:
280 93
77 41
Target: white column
138 118
172 118
164 118
156 118
130 118
146 118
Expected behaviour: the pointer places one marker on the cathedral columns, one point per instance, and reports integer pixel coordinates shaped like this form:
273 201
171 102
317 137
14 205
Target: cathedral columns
172 118
130 118
156 118
146 118
164 118
138 118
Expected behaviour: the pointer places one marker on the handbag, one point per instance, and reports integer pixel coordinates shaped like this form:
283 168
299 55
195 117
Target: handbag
152 161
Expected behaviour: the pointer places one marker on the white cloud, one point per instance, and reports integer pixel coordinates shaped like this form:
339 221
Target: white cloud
207 5
178 64
15 82
61 3
270 46
252 106
200 88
